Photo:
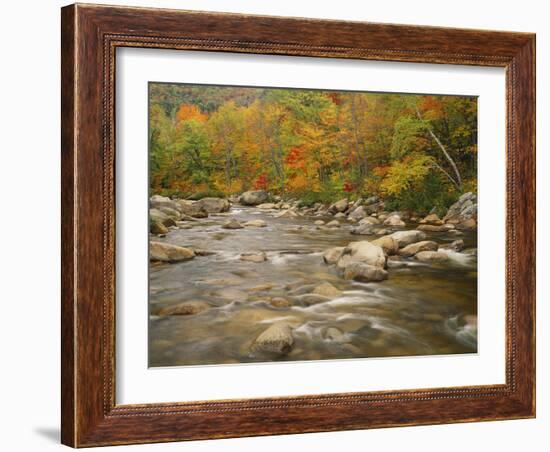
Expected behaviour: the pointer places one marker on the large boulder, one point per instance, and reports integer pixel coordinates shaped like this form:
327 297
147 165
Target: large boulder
364 252
157 201
214 205
156 215
388 244
332 255
364 272
405 238
253 198
276 339
166 252
186 308
464 209
192 208
339 206
414 248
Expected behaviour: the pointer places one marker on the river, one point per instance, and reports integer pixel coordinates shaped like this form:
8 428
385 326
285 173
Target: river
421 309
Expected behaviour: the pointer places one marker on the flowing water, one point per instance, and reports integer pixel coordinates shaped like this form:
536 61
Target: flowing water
421 309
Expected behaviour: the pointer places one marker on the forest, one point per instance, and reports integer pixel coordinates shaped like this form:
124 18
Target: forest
414 151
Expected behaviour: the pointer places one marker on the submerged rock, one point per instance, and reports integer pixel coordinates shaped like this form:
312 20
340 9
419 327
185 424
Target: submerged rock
333 224
276 339
363 229
279 302
253 257
185 308
327 289
165 252
335 335
433 228
256 223
232 224
431 256
364 272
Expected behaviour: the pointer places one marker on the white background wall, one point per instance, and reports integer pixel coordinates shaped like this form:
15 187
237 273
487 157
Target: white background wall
29 230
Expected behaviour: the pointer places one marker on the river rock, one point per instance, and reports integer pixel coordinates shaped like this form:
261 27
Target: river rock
332 255
288 213
464 209
358 213
340 215
433 228
172 213
414 248
232 224
333 224
214 205
432 218
388 244
370 220
253 198
364 272
363 229
334 334
256 223
405 238
363 252
280 302
394 220
267 206
327 290
431 256
255 257
156 227
276 339
319 223
157 202
192 209
161 217
468 224
457 245
339 206
185 308
165 252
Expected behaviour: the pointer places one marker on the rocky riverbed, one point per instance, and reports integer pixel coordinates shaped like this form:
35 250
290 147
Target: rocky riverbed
255 279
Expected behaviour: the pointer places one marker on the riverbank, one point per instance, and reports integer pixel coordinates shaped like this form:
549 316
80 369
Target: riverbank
275 281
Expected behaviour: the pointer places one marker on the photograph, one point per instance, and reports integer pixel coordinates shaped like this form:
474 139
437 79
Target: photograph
298 224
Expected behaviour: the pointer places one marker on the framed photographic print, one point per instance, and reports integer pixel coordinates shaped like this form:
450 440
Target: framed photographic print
280 225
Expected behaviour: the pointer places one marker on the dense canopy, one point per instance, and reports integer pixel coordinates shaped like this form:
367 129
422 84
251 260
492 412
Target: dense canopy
415 151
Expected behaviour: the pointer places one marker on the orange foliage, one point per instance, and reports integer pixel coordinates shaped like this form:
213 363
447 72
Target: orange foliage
188 111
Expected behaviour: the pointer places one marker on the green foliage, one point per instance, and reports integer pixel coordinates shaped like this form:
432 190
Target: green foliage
317 146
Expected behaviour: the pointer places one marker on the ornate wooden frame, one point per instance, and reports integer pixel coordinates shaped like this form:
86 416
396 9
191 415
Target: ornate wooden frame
90 35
